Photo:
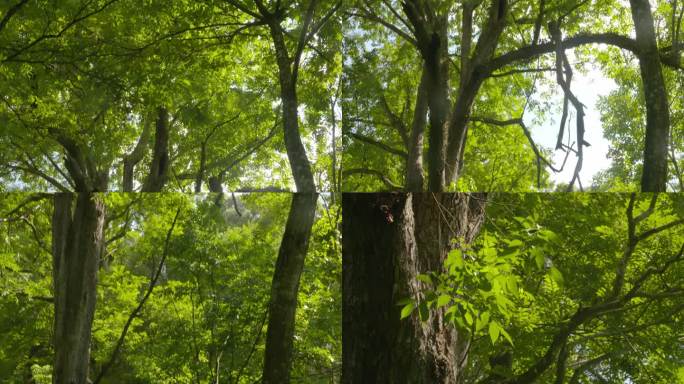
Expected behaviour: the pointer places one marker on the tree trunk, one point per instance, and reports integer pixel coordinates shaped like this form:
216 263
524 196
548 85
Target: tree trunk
160 157
133 158
285 286
414 162
654 176
296 154
77 243
388 239
437 64
293 248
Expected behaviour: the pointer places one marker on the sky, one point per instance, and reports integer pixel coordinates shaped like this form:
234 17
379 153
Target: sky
588 88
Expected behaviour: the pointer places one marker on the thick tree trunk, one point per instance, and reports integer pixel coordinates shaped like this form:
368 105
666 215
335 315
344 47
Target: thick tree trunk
77 242
654 176
437 65
414 162
388 239
160 157
285 286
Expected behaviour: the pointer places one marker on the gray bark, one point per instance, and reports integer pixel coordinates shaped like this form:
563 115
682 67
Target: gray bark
133 158
77 233
654 176
296 154
414 161
285 287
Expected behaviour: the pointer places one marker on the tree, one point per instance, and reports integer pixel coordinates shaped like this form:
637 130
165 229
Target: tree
387 243
425 31
183 302
77 243
279 343
553 289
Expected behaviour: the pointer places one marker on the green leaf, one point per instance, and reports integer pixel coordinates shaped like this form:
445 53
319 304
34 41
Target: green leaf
443 300
494 331
455 258
406 311
423 311
556 275
506 335
484 320
468 318
603 229
424 278
538 255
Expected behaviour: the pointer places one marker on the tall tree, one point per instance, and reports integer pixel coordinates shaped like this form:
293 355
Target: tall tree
77 244
293 248
388 241
654 178
427 26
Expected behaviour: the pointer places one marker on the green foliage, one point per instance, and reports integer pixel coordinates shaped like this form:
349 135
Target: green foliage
95 72
206 317
547 264
482 288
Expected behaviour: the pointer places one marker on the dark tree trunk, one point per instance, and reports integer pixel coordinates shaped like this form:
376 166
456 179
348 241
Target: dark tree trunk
293 248
654 176
77 243
388 239
133 158
285 286
437 64
160 157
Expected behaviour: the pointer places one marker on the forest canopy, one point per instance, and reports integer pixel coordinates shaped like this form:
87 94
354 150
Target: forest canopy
205 316
341 191
324 95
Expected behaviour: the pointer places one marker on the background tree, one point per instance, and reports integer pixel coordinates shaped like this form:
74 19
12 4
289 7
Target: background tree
205 317
461 76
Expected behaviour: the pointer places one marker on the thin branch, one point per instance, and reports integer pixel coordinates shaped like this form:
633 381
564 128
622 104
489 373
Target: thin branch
235 204
370 15
64 29
378 144
136 311
260 330
389 183
10 12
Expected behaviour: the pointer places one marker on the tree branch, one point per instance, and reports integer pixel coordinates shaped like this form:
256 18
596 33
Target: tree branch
378 144
136 311
389 183
10 12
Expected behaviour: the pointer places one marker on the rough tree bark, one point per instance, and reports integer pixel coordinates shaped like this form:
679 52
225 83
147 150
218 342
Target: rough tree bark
388 239
414 161
77 243
285 286
432 41
654 177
